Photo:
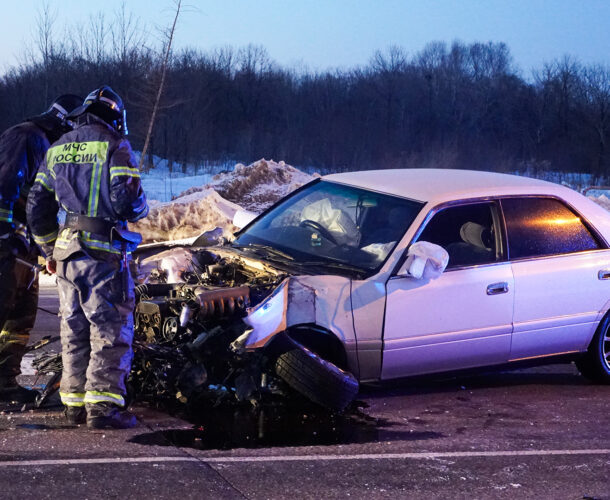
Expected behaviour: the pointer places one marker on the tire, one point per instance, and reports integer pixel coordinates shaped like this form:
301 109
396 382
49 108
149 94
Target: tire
595 363
315 378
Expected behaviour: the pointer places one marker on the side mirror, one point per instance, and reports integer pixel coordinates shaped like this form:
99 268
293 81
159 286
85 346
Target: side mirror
425 260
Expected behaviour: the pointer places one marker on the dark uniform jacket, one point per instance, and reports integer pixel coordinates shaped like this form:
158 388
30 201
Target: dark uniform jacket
89 171
22 150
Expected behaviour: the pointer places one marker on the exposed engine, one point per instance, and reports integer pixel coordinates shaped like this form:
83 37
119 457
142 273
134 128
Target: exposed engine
189 307
184 290
192 346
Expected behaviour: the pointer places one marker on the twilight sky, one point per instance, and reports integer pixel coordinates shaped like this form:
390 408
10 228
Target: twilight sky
344 33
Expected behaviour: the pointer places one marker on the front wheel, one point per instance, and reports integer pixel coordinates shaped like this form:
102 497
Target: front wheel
595 363
315 378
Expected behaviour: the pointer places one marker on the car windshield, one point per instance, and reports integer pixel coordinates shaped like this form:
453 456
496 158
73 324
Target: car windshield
331 225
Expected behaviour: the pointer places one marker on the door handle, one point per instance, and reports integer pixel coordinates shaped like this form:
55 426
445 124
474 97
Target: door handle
604 274
497 288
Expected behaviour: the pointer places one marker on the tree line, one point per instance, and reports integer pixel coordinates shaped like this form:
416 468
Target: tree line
449 105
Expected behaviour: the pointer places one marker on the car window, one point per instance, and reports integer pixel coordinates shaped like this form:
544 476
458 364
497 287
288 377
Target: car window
467 232
544 226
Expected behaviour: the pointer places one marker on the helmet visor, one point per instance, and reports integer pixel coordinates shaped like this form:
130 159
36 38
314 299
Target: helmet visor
123 128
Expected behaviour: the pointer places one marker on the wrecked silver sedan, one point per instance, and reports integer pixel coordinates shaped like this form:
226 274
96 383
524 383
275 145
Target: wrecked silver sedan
345 280
271 309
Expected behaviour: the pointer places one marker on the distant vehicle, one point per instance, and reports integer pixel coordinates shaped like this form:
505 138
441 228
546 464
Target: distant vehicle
378 275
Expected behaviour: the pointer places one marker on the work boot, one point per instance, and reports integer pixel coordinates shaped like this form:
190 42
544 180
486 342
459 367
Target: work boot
109 416
12 392
75 415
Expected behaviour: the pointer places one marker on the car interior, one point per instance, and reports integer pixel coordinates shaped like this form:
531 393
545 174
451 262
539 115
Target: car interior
466 232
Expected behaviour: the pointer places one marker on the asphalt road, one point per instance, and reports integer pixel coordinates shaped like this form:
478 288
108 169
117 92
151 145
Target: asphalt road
535 433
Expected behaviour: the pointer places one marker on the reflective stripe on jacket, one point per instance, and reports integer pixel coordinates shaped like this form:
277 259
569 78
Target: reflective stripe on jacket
91 171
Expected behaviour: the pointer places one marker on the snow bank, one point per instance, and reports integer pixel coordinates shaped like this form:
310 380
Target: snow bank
187 216
256 186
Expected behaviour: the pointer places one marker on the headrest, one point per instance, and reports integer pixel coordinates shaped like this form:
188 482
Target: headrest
475 234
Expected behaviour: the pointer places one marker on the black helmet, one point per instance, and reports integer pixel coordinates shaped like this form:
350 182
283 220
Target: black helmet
105 103
54 120
63 106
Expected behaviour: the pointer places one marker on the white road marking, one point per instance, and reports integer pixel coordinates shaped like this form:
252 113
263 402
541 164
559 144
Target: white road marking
303 458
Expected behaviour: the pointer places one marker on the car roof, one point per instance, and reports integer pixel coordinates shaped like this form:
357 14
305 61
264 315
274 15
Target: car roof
438 185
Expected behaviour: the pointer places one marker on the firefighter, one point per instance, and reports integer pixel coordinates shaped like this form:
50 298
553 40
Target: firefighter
91 174
22 150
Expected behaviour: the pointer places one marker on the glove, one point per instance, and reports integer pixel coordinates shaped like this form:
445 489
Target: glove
51 267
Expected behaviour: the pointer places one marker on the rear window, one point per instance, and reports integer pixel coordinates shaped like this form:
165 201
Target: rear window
544 226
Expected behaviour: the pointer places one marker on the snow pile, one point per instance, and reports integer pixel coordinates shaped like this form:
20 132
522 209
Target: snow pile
257 186
186 216
202 208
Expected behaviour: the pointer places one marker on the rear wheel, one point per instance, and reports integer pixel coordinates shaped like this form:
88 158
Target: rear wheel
315 378
595 363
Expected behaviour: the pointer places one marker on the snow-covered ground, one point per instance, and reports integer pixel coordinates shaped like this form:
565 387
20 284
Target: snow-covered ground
165 181
577 181
163 186
603 200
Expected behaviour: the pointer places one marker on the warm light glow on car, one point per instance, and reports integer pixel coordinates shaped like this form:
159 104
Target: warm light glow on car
560 221
571 220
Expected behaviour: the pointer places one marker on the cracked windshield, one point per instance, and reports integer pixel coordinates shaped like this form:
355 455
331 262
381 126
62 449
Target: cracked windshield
328 224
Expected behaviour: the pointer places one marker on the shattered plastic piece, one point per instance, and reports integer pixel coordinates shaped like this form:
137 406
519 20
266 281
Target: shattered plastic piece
210 238
237 346
291 303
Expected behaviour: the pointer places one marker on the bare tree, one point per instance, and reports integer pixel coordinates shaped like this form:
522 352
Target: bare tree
45 42
169 38
127 35
89 42
389 70
597 95
45 22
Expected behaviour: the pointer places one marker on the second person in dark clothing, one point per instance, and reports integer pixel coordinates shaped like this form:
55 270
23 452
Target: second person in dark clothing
91 174
22 150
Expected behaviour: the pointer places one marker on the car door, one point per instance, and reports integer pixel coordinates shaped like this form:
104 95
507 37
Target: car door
463 318
556 261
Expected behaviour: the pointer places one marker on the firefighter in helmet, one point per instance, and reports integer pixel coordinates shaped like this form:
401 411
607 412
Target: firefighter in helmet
91 174
22 150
